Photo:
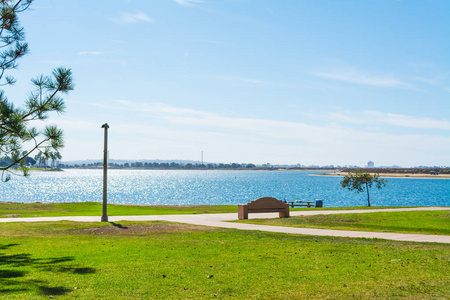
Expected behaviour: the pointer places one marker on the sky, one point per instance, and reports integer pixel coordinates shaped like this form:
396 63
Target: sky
249 81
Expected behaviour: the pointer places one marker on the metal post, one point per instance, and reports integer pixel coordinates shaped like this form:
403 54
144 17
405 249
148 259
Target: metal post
105 173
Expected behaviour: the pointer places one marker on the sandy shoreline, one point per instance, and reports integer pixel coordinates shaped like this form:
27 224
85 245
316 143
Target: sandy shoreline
394 175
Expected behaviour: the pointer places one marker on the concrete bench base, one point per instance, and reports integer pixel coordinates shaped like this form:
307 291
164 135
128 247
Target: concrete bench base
263 205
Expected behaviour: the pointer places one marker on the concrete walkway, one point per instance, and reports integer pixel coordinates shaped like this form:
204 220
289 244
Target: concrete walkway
221 220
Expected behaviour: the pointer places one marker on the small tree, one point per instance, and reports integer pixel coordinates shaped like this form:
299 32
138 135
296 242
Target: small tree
359 181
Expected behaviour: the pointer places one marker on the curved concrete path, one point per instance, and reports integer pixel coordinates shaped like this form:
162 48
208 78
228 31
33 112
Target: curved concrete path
221 220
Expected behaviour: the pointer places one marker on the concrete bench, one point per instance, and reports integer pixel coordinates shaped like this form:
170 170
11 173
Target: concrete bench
263 205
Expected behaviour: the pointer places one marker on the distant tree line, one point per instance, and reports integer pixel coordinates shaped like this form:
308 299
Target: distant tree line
45 159
165 165
191 166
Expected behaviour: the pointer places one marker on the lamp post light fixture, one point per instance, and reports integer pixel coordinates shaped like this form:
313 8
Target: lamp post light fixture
105 174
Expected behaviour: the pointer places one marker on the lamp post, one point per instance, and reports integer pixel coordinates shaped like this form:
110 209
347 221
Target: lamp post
105 173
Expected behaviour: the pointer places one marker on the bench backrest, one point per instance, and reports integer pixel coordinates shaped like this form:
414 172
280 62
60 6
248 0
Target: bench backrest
266 203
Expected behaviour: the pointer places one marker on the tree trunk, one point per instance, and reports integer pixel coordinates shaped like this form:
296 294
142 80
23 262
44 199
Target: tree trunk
368 200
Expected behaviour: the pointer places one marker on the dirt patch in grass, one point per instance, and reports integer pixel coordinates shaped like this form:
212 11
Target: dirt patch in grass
347 221
136 229
12 216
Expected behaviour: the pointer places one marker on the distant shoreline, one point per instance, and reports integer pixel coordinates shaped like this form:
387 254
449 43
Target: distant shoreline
394 175
204 169
324 172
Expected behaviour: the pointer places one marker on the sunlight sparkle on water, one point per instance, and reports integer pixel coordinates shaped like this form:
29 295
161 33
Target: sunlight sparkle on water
159 187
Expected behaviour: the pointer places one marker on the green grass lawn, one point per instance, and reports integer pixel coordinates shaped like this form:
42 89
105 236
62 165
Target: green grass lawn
19 210
23 210
159 260
425 222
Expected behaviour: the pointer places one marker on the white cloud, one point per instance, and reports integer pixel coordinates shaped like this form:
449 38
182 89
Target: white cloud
136 17
214 42
254 81
190 118
436 80
90 53
188 2
161 131
363 79
246 80
410 121
376 118
159 108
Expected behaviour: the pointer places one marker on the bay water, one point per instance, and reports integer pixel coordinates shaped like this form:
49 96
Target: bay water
215 187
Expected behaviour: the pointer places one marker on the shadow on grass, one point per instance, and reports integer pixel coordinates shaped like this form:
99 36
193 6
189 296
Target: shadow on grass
118 225
4 247
53 291
13 279
11 274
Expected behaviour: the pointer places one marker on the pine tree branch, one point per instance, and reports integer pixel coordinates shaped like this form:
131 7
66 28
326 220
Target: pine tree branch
24 156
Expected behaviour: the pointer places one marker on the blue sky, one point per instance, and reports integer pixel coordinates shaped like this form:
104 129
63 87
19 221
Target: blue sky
282 82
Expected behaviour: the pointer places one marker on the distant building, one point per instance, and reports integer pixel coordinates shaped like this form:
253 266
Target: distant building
370 164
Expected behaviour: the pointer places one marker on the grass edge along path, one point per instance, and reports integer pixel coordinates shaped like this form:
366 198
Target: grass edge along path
28 210
415 222
161 260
